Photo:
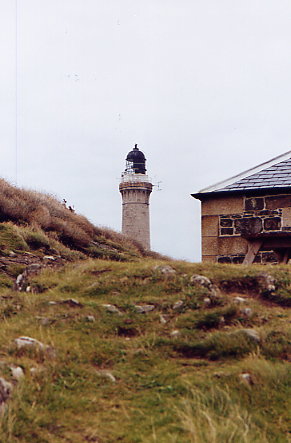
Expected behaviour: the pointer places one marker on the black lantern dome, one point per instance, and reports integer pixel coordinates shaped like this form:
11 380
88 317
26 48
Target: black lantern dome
136 161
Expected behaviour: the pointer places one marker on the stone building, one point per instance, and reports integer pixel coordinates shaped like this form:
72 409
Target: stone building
247 218
135 188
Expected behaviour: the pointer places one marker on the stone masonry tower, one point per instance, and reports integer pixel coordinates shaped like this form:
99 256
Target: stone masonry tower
135 189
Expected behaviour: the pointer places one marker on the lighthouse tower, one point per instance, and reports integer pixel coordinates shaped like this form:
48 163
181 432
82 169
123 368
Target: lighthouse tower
135 189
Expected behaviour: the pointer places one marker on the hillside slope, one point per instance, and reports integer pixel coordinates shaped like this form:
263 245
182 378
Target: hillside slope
102 341
147 351
32 221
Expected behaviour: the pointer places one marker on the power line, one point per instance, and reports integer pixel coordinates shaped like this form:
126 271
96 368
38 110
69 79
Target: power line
16 91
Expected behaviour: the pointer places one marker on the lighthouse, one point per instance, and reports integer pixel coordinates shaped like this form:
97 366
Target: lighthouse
135 188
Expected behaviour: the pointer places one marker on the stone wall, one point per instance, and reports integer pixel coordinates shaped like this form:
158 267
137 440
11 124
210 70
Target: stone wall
212 209
226 221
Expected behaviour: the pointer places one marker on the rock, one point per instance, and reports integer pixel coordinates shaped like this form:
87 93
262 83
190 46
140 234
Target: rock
20 282
163 319
17 372
166 270
175 333
266 282
239 300
90 318
204 282
207 301
48 258
68 301
35 371
201 280
12 254
245 376
221 320
144 309
178 304
72 303
247 312
5 392
22 342
108 375
248 226
251 333
111 308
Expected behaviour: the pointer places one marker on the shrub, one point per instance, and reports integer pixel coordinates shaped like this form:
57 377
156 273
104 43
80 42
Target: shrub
219 345
217 318
10 237
281 297
35 239
277 344
209 320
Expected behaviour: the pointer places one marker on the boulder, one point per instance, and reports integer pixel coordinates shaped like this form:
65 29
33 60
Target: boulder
144 309
72 303
108 375
204 282
246 377
20 282
29 342
247 312
178 304
163 319
266 282
239 300
111 308
48 258
165 270
90 318
201 280
17 372
22 342
251 333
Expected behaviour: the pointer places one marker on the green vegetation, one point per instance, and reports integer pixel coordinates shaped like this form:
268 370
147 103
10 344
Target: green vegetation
36 221
134 352
169 375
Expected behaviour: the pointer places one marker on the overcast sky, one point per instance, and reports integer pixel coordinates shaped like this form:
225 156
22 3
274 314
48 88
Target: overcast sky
203 87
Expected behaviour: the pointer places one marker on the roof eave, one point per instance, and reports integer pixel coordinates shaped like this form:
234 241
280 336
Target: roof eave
229 193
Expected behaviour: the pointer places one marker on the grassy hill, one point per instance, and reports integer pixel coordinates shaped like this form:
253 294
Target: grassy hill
133 348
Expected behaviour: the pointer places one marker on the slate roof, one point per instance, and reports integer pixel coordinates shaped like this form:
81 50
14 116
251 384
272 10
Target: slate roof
277 176
274 174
